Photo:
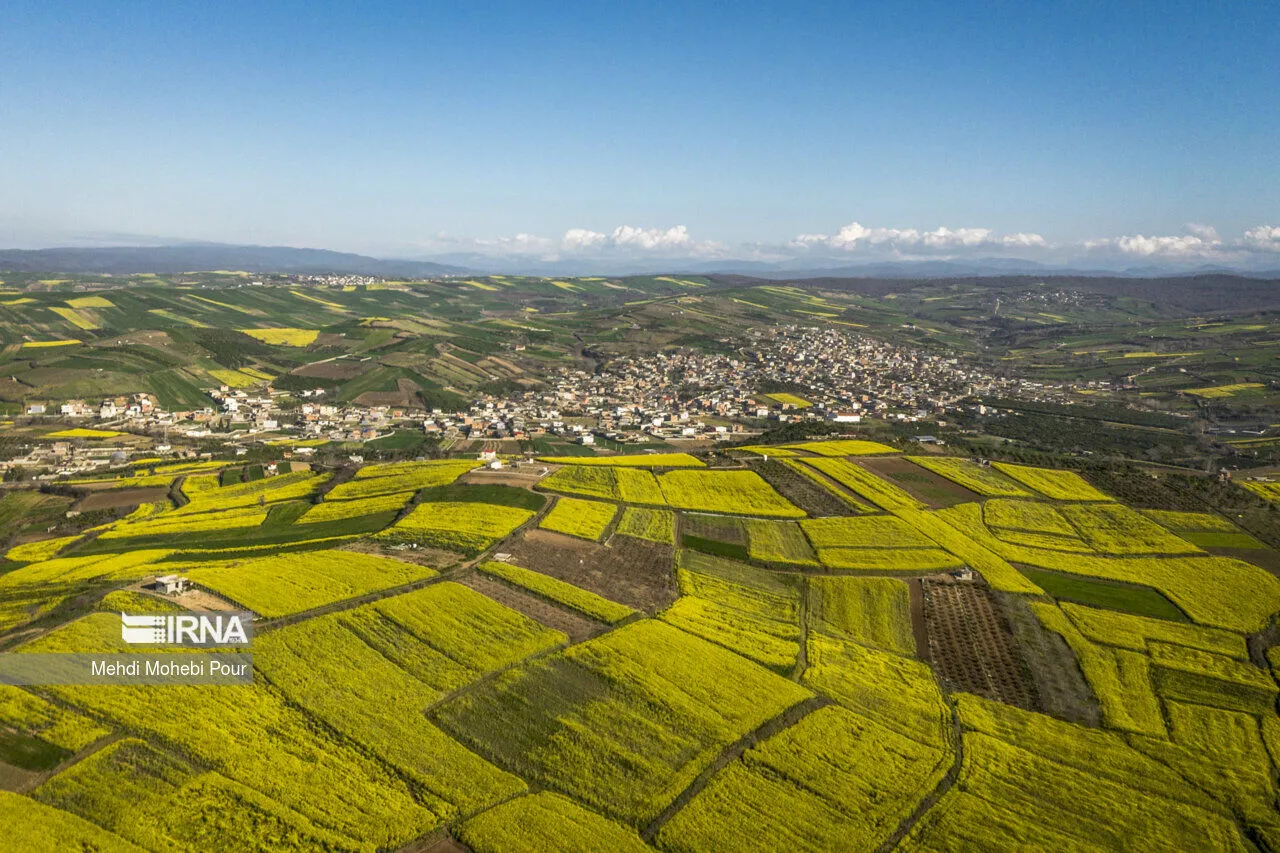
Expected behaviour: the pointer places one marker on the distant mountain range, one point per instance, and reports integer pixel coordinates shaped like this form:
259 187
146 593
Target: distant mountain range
169 259
122 260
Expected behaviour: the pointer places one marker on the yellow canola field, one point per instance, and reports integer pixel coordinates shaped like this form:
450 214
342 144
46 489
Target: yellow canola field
284 336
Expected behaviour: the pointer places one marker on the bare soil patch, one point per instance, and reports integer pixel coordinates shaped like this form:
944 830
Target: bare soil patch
384 398
1268 559
969 646
333 369
503 477
575 625
938 492
1050 664
631 571
16 779
800 490
122 497
434 558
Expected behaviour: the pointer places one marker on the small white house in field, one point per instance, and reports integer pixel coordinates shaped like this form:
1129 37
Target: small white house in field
171 584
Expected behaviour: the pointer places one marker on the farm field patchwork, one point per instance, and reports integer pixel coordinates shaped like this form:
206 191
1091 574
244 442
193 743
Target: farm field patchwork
833 780
624 485
640 460
556 719
558 591
1054 484
373 480
862 482
843 447
983 480
1020 783
694 659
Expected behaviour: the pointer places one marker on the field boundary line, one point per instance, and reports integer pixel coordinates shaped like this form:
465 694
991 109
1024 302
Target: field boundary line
770 727
930 799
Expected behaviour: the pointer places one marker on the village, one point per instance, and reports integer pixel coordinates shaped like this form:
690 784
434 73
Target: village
812 374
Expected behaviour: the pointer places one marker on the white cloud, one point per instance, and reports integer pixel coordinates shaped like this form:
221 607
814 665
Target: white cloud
631 239
1199 245
1264 238
1183 246
1204 232
906 241
576 239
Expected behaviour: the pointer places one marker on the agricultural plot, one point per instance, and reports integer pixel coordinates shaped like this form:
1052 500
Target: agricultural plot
160 802
747 610
361 670
878 543
734 492
1049 784
467 528
1032 523
789 400
40 550
655 525
82 432
722 535
172 524
980 479
807 489
26 717
584 519
835 780
373 480
1056 485
1129 631
861 481
1219 391
906 560
872 611
970 647
560 592
1121 679
290 583
253 737
778 542
573 721
843 447
636 572
624 485
1266 491
28 825
337 510
1122 597
1112 528
896 692
283 337
1204 529
880 531
547 822
641 460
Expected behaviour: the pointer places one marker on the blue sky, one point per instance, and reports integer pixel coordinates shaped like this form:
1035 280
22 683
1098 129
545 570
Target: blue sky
692 129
